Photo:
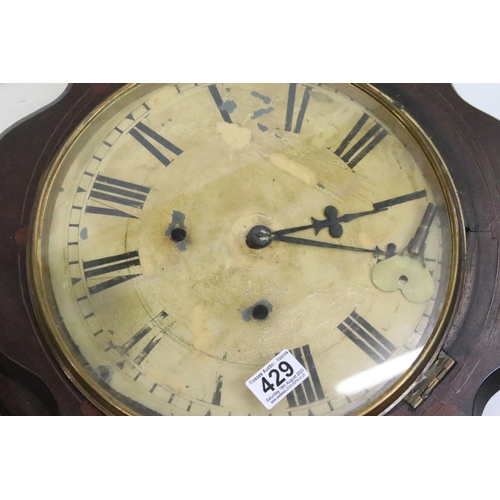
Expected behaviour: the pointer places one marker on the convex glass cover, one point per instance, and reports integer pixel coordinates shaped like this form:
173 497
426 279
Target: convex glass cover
186 234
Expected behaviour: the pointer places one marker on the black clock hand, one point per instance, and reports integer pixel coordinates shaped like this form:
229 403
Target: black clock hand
350 217
314 243
332 222
261 236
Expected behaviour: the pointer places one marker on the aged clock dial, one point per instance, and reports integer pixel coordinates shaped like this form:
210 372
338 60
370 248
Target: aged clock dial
186 234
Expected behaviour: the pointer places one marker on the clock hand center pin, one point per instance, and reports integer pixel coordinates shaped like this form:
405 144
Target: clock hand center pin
406 270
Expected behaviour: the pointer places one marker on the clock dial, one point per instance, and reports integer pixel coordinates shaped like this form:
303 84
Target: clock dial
186 234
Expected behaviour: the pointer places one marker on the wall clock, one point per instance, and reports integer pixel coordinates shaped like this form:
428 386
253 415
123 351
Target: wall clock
163 243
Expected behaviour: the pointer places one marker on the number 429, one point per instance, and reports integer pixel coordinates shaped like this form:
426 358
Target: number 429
284 368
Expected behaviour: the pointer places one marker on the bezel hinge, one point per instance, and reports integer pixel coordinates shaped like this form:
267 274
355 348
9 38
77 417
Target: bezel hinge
432 377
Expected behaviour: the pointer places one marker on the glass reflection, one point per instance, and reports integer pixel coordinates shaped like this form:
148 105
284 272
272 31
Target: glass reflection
377 375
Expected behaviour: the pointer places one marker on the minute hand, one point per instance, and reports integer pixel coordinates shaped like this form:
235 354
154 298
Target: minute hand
313 243
332 222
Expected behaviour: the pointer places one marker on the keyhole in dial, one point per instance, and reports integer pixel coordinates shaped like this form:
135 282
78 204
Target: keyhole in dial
403 279
260 312
178 234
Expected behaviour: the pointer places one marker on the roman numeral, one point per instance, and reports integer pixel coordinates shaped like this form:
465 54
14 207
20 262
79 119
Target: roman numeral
214 91
135 132
363 146
310 390
109 266
292 90
366 337
107 190
140 345
217 395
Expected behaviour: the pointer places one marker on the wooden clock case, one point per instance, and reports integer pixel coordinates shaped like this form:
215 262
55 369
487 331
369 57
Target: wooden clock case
31 382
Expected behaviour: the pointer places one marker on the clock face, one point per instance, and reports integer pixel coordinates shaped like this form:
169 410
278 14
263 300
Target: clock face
186 234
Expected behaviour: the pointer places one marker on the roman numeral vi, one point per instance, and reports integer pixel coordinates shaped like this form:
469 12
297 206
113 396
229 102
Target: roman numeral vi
310 390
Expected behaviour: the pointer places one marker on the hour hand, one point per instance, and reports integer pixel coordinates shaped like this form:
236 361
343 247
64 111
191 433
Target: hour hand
406 270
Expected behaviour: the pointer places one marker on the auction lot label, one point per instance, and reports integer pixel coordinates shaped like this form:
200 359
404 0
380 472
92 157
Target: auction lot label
275 380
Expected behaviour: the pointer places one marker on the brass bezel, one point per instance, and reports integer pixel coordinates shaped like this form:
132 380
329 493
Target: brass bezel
457 234
109 404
